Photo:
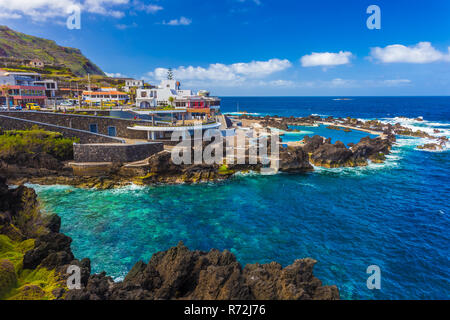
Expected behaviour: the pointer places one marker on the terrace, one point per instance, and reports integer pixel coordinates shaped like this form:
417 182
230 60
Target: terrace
162 130
161 124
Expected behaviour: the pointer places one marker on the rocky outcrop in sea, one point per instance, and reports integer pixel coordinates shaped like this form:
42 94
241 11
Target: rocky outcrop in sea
325 154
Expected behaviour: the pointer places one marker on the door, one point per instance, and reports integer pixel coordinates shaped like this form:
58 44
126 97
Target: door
93 128
112 131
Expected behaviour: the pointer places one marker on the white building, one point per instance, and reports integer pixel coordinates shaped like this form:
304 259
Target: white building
170 90
36 63
19 78
22 88
106 95
173 109
131 83
51 86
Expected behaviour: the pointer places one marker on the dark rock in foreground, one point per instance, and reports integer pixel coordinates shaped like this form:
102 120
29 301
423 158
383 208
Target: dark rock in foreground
179 273
174 274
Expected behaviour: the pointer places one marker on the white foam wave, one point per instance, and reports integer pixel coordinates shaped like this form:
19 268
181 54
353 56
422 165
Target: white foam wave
246 174
242 113
128 189
306 184
424 125
434 129
54 187
359 171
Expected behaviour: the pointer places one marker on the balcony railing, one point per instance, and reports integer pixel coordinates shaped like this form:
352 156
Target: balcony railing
187 123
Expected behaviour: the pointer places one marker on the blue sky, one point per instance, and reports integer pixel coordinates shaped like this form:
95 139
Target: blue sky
256 47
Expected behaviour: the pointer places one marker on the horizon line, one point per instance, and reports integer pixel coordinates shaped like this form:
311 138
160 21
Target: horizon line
368 96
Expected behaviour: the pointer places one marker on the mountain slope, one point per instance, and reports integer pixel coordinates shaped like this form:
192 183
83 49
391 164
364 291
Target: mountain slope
18 45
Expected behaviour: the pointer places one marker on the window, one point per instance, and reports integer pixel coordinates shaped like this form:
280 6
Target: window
93 128
143 94
112 131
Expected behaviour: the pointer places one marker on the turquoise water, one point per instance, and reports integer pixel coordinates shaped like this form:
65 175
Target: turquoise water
344 137
394 215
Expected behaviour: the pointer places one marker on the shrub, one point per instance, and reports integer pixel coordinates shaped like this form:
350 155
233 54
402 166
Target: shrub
34 141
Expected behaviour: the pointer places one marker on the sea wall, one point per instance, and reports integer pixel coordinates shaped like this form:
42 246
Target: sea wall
83 122
9 122
115 152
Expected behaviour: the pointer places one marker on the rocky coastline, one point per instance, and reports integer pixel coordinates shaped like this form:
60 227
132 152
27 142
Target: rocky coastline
40 167
376 126
35 256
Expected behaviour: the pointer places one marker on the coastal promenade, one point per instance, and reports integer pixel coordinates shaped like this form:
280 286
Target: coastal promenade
374 132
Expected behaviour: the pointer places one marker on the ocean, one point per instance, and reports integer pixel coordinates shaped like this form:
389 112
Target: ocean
394 215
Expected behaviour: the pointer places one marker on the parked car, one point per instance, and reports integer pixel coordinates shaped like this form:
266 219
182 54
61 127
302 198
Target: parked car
17 108
66 104
109 104
33 106
3 107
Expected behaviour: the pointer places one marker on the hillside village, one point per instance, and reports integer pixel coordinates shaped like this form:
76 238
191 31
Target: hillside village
26 84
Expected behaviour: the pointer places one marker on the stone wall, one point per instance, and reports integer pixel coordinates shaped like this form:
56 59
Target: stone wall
83 122
11 123
115 152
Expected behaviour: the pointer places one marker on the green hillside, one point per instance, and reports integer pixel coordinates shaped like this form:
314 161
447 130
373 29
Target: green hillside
20 46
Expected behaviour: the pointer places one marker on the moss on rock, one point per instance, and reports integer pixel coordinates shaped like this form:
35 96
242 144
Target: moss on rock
223 170
17 283
14 250
8 277
36 284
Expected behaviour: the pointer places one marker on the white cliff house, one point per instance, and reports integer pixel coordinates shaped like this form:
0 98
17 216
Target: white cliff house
172 109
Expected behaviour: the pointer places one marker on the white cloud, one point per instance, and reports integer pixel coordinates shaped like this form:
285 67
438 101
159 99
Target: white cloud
41 10
232 73
36 9
326 59
103 7
338 82
397 82
257 2
423 52
351 83
122 26
5 15
148 8
115 75
281 83
183 21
